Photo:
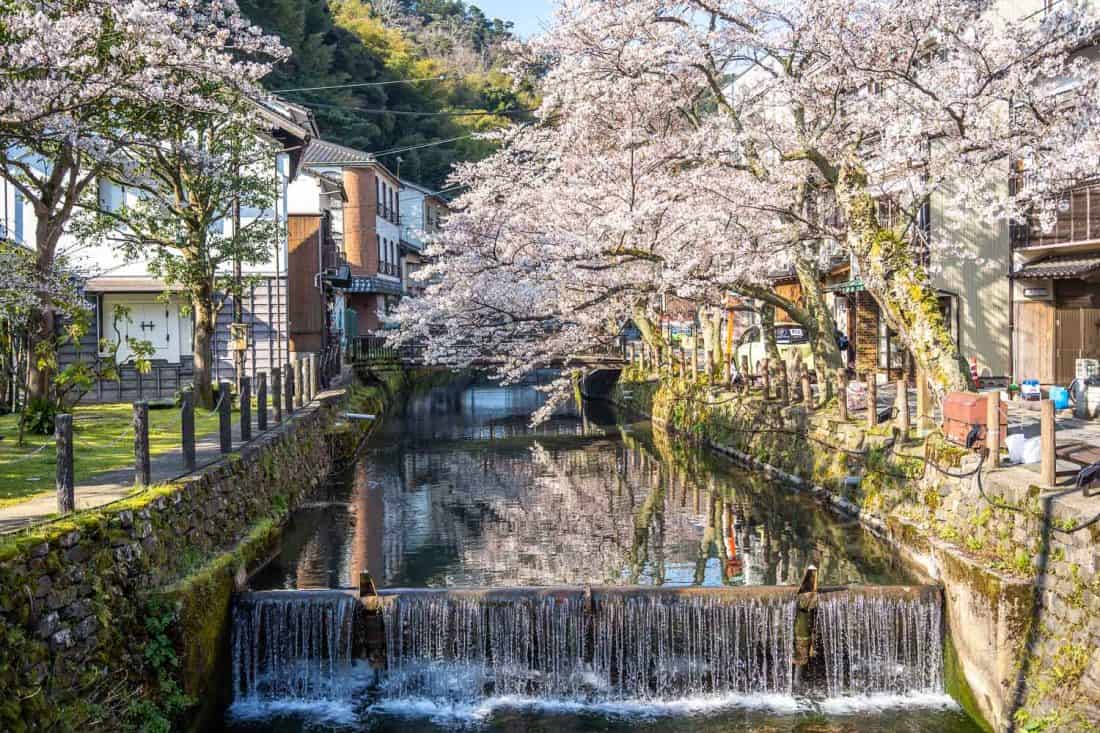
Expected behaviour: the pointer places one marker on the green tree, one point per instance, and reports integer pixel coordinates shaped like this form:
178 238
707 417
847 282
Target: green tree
193 171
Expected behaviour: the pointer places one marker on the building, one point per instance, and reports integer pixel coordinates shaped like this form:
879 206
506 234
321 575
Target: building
422 213
128 301
370 236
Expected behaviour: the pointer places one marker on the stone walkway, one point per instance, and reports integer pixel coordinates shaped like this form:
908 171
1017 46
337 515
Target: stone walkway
111 486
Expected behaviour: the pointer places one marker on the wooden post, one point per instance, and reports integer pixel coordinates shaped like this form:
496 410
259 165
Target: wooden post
288 389
142 468
784 383
682 365
903 409
314 378
299 381
187 428
993 427
807 391
710 365
63 437
1048 444
766 373
872 400
225 416
729 371
842 393
246 409
694 359
261 401
277 393
924 400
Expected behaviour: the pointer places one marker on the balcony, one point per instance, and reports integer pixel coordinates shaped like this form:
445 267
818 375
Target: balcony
1078 221
389 268
374 285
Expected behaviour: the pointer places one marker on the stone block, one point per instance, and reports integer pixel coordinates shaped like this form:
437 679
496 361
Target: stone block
48 625
62 639
88 626
77 609
43 586
40 550
77 554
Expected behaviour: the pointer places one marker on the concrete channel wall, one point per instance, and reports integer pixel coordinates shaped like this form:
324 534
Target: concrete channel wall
1022 594
92 634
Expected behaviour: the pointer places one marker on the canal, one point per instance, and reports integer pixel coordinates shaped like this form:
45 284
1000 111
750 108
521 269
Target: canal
458 490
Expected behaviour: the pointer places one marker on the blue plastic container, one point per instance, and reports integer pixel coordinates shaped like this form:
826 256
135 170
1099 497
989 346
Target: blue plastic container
1060 397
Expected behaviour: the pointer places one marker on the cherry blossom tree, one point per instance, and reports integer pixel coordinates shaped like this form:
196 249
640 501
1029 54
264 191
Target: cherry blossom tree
80 78
839 110
798 131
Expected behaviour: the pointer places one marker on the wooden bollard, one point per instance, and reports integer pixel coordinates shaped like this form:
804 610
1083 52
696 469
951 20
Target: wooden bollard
694 360
66 487
225 417
277 393
784 383
246 409
314 377
993 427
807 391
187 429
924 400
299 381
903 409
288 388
872 400
842 393
683 360
1048 444
745 375
766 373
261 401
142 467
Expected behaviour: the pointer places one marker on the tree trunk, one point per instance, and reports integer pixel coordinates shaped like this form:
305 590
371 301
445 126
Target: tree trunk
42 348
650 333
202 305
904 292
820 324
767 327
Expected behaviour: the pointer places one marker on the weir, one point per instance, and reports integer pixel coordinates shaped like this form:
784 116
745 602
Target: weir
592 643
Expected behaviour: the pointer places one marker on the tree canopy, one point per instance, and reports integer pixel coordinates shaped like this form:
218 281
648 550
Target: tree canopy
347 42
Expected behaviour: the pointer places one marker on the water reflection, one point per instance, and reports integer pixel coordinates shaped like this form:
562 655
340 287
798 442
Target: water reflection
459 490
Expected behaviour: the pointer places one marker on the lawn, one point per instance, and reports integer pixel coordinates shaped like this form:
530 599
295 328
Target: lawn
103 439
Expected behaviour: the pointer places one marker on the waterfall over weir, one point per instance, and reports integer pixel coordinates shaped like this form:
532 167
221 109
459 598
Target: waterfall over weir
294 645
590 645
637 648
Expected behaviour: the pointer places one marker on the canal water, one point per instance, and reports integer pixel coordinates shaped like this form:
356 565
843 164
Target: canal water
458 490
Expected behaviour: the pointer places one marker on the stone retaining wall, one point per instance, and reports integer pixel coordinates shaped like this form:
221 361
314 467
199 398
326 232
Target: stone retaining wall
1023 595
84 643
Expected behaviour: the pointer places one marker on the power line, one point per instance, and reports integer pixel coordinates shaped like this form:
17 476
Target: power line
441 77
394 151
410 113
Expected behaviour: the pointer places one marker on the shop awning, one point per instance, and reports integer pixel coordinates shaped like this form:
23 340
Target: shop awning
1061 267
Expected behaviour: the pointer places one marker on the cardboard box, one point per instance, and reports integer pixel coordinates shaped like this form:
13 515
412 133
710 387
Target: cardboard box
963 410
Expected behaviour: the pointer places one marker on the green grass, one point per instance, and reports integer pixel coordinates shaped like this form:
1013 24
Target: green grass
100 445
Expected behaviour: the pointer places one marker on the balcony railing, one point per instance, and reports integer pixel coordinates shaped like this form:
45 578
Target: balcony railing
1077 222
389 268
388 214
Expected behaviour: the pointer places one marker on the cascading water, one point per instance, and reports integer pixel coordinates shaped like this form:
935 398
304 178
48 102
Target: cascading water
615 648
876 645
293 646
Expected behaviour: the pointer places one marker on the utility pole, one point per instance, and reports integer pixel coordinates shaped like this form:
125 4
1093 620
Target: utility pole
240 341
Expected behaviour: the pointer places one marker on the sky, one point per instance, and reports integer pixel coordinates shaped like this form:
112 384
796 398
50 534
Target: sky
530 16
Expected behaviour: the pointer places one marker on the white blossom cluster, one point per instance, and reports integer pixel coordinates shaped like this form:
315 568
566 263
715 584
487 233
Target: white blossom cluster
694 147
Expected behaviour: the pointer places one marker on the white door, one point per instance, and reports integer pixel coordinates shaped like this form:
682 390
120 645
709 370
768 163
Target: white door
156 323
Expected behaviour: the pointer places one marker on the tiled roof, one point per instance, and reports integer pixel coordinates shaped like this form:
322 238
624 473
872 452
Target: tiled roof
1061 267
321 152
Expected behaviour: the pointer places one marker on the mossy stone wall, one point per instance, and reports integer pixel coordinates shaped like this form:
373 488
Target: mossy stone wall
1022 594
76 647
